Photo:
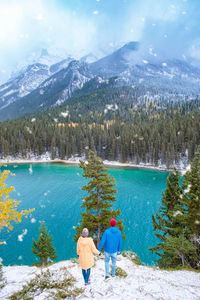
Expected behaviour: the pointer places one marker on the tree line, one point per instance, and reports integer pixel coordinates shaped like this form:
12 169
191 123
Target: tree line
165 139
114 123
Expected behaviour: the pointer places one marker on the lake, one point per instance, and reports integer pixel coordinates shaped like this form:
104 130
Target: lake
54 190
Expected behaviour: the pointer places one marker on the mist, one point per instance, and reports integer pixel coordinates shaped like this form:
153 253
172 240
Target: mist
76 28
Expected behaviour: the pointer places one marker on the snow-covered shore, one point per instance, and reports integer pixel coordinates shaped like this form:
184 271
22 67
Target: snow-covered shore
141 282
46 158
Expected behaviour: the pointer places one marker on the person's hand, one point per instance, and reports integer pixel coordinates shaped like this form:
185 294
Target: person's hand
118 252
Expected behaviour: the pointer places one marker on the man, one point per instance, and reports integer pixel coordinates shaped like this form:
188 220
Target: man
112 243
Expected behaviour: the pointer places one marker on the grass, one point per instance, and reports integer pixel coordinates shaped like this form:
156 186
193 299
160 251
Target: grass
58 284
180 268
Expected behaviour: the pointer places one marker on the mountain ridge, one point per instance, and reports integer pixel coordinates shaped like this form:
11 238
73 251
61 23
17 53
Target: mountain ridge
42 86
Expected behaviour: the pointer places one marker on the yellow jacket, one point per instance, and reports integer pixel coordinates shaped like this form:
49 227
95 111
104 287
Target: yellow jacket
85 250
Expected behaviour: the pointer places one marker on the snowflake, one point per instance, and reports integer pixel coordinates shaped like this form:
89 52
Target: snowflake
188 188
176 213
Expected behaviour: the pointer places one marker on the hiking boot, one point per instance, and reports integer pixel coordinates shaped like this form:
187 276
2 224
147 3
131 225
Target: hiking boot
107 278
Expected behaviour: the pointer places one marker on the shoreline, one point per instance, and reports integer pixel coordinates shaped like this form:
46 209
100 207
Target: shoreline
76 162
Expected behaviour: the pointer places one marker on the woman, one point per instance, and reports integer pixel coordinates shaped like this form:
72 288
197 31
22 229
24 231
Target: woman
85 251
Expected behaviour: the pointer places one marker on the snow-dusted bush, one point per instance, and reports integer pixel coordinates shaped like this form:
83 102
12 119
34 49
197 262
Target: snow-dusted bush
56 284
121 273
132 256
2 279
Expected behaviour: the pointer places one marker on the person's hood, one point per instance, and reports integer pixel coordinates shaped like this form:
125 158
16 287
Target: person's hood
83 241
113 229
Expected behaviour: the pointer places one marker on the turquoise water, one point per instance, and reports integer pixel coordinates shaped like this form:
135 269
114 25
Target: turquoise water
54 190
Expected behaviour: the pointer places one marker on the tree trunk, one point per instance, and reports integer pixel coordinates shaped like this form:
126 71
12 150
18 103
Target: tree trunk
182 259
44 261
98 214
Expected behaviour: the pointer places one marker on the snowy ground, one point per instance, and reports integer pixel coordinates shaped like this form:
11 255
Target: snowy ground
46 158
142 282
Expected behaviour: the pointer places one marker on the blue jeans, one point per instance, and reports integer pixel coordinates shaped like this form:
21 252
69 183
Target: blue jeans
86 274
113 257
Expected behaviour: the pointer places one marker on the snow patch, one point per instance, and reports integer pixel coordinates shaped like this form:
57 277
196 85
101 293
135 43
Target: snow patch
21 236
149 282
64 114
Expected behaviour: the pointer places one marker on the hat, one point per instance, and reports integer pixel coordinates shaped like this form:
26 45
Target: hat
85 232
113 222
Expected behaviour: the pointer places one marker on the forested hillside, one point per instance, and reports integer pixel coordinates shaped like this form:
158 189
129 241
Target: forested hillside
115 123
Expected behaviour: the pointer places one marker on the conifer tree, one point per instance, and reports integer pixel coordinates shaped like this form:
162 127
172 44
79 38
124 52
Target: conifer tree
179 251
43 248
177 222
191 199
98 204
191 204
166 222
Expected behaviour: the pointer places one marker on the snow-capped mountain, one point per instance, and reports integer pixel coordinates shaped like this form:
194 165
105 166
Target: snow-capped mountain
50 91
41 86
27 81
116 62
132 65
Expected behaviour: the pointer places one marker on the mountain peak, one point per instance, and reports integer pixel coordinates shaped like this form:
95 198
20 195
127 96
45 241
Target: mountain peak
134 46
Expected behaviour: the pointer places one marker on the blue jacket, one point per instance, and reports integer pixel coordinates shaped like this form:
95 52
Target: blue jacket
111 240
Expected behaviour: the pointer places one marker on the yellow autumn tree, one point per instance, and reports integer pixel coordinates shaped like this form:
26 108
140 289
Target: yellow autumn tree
8 207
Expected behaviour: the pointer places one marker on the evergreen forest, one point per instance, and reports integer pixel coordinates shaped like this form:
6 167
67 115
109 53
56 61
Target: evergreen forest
112 121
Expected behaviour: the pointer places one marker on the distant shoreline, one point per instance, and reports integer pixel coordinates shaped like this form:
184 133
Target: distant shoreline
76 162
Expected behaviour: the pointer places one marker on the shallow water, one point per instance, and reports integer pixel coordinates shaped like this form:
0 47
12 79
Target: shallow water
54 190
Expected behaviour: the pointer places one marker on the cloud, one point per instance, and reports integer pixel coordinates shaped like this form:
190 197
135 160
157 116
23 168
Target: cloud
194 49
27 26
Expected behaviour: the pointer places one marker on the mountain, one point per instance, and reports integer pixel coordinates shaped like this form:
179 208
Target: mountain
137 67
116 62
27 80
48 90
41 86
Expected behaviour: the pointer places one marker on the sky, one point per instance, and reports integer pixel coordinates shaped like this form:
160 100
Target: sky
78 27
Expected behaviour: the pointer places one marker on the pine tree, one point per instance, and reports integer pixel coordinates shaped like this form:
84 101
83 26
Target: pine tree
98 204
191 200
177 223
43 248
167 221
179 251
191 204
